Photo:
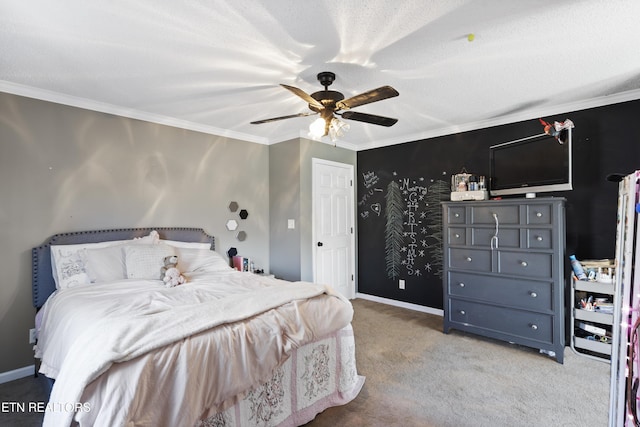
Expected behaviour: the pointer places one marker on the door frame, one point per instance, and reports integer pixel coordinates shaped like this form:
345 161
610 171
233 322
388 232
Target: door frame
315 162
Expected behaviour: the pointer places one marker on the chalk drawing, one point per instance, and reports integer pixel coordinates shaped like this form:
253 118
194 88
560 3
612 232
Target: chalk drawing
412 212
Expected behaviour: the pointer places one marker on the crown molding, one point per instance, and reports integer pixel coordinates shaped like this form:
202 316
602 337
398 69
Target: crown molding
103 107
530 114
73 101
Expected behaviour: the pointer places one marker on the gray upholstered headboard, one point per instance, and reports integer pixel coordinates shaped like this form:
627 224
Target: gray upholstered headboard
43 284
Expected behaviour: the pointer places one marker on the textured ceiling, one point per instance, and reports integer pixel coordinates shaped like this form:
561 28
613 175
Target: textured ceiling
215 66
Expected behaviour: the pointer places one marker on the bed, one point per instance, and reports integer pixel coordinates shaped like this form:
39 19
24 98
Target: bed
226 348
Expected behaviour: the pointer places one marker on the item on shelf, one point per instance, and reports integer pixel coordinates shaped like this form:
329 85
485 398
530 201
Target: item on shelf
577 268
606 308
592 329
587 304
460 181
605 275
466 186
602 270
241 263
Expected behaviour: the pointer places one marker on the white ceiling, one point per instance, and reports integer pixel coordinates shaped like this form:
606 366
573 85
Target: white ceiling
215 66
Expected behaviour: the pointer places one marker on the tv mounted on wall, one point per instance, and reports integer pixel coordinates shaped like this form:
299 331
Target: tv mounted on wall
535 164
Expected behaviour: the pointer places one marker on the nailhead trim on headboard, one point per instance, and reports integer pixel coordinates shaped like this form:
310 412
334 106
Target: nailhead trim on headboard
43 284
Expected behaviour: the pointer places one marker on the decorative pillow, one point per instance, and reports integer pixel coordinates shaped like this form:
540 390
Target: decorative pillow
200 260
146 261
67 263
104 264
66 266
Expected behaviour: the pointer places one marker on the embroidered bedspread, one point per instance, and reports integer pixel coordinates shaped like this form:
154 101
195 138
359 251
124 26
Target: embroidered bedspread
134 350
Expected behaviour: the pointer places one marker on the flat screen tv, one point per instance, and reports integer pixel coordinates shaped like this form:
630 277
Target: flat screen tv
531 165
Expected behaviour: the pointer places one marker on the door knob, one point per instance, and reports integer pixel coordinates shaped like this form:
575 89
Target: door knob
320 243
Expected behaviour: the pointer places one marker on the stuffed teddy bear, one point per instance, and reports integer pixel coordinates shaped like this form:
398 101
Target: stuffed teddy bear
170 261
170 274
173 277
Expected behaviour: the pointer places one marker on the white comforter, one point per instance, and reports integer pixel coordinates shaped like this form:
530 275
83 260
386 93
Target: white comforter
137 351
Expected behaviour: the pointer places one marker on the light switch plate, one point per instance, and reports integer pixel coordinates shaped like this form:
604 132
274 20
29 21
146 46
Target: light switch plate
291 224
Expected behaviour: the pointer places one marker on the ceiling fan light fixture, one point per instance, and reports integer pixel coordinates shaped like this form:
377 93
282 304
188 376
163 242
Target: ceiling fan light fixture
331 126
337 128
327 103
316 129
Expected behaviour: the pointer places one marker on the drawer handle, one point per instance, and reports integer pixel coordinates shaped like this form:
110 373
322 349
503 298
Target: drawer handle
457 215
461 284
469 259
462 312
523 263
533 294
539 214
539 238
457 236
534 327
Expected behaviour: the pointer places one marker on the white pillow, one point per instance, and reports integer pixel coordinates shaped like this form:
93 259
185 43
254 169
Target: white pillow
200 260
67 268
191 245
67 263
146 261
104 264
153 238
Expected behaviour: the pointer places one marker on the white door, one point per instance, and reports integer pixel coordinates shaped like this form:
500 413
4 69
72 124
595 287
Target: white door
333 222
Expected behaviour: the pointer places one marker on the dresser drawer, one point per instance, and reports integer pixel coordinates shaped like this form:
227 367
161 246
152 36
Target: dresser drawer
457 236
485 214
539 214
525 264
470 259
528 294
456 215
532 326
539 238
507 238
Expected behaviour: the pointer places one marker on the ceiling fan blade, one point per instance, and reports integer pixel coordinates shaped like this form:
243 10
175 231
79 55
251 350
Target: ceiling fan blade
373 95
369 118
257 122
304 95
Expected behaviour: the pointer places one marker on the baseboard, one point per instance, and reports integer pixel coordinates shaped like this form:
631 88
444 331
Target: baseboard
402 304
16 374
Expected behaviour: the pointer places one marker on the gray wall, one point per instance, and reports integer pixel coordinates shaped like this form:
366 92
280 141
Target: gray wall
68 169
284 196
291 198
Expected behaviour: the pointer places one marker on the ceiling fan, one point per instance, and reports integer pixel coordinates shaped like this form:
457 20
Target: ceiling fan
329 104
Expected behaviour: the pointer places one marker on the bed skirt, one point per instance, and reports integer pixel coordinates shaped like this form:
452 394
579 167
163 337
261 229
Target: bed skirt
317 376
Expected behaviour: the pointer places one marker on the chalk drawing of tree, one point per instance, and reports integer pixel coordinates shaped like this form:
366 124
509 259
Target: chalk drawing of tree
394 229
438 191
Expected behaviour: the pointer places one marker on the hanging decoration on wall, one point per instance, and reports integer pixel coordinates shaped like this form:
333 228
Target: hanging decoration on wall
232 224
555 129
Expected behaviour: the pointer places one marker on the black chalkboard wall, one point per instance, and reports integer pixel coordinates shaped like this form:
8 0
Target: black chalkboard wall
400 188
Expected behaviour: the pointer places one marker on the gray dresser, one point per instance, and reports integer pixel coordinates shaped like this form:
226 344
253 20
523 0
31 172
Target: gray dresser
504 274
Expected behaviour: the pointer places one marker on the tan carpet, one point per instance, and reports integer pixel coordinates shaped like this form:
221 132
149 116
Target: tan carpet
418 376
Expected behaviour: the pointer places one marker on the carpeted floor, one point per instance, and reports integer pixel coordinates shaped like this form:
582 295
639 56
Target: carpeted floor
418 376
